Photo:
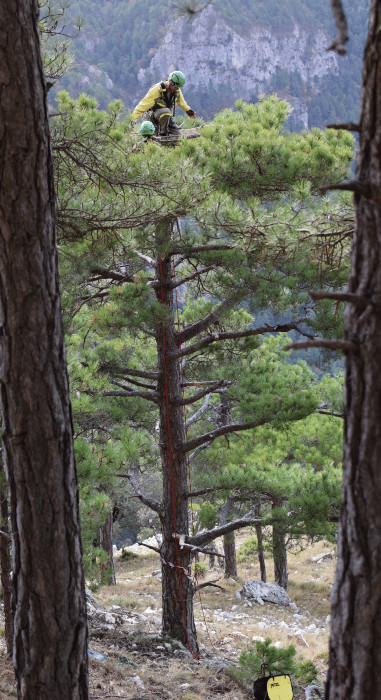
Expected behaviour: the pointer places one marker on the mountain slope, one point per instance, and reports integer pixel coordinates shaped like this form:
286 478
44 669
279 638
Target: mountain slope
229 50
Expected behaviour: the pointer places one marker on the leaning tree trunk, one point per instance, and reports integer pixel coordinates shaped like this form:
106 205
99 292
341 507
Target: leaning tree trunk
105 542
355 644
50 630
5 564
261 549
279 551
177 587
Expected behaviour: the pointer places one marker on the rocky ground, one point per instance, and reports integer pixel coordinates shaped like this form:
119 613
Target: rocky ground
130 658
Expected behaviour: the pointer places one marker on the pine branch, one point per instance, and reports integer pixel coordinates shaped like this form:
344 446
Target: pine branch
344 345
346 297
147 395
349 126
329 413
135 383
139 373
193 329
184 251
235 335
200 394
210 535
217 432
342 37
356 186
198 273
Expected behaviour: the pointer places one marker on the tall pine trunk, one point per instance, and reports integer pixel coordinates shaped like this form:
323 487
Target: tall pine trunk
355 644
177 587
279 551
230 555
50 630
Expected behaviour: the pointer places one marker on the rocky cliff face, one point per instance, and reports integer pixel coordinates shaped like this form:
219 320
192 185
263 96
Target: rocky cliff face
213 56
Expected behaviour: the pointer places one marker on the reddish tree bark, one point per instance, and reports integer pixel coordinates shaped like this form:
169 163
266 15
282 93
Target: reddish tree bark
355 644
50 631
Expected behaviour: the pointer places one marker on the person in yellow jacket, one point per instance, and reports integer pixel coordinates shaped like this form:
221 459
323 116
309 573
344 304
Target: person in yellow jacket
158 106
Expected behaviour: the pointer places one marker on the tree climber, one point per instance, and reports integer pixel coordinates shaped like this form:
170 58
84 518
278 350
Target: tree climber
158 106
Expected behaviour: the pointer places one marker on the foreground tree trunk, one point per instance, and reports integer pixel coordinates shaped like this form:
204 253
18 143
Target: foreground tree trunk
177 587
50 631
6 568
355 644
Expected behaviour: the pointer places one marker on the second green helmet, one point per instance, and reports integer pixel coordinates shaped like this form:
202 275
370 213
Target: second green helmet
178 78
147 129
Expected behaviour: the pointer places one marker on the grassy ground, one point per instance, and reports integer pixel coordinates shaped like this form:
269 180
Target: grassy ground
139 666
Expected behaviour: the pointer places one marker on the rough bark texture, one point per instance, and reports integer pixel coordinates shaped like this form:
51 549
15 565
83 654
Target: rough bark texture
261 549
279 552
177 588
50 631
355 644
230 555
105 542
6 568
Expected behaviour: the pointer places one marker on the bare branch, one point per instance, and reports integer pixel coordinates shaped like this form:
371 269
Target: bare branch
178 283
209 583
344 345
342 37
200 394
193 419
198 450
362 188
184 251
349 126
135 483
346 297
149 546
329 413
210 535
5 535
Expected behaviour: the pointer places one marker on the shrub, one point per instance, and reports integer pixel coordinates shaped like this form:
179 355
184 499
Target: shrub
199 569
127 555
306 672
248 550
266 660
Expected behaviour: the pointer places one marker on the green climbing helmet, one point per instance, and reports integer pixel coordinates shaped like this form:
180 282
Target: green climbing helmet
147 129
178 78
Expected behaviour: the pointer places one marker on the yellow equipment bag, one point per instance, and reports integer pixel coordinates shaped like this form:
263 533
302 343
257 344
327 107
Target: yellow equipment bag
280 688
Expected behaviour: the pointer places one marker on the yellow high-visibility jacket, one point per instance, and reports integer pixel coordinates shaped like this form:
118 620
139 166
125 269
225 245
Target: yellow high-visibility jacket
158 97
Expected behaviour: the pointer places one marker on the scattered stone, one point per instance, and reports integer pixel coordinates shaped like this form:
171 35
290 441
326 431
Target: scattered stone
265 592
136 679
257 639
322 557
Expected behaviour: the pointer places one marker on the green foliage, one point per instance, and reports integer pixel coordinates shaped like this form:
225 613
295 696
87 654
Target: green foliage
306 672
266 660
199 569
127 555
247 551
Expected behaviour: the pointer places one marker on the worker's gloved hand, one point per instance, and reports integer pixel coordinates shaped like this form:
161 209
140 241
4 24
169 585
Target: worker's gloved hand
191 114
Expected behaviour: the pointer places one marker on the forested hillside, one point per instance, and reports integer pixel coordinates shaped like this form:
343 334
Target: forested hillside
231 49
